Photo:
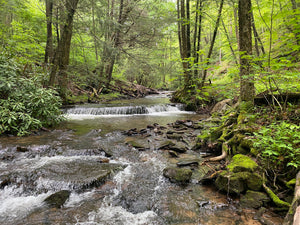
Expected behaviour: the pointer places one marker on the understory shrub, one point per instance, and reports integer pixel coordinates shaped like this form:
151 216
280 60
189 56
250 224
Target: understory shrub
24 104
279 145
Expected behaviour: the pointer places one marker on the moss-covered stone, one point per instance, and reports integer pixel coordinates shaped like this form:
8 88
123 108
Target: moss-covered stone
254 181
254 199
178 175
231 183
236 183
241 163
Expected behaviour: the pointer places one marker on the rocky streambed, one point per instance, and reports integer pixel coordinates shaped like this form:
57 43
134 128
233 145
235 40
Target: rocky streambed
153 174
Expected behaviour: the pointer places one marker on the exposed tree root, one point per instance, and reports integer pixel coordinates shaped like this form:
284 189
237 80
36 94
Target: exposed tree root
278 202
220 157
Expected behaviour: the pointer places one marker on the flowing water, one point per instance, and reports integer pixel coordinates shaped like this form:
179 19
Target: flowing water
90 146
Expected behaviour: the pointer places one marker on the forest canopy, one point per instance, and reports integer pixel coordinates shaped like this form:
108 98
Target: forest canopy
81 48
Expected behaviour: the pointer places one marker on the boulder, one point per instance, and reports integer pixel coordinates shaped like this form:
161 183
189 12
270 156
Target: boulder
237 183
242 163
57 199
222 106
178 175
254 199
231 183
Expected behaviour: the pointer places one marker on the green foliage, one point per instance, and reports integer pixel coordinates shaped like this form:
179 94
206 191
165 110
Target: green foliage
24 104
279 144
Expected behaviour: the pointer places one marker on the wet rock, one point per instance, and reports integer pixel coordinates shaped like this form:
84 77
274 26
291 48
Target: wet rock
179 147
4 182
178 175
131 132
7 157
165 145
79 174
103 160
231 183
254 199
22 149
108 153
137 145
236 183
187 163
175 136
57 199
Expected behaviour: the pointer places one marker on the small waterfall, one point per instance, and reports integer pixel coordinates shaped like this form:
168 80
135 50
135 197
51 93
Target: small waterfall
125 110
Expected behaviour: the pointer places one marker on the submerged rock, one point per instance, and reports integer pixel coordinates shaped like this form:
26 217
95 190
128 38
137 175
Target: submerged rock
254 199
178 175
57 199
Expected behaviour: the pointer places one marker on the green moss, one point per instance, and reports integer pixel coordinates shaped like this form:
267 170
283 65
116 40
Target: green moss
77 99
278 202
245 106
291 184
240 163
254 181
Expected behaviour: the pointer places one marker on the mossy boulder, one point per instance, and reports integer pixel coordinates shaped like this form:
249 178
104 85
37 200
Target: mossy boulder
232 183
242 163
178 175
237 183
254 199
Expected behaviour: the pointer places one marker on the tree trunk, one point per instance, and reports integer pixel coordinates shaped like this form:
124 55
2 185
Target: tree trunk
197 35
257 38
212 43
230 44
62 53
49 44
184 40
247 90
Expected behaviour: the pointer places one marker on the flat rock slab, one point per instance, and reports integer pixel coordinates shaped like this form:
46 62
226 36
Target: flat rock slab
79 173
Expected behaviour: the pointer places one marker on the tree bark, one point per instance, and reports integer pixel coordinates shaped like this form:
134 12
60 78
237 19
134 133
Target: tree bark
257 38
49 44
184 40
230 44
212 44
62 53
247 90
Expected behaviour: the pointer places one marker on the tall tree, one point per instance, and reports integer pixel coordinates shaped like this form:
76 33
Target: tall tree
247 90
183 14
62 53
49 43
212 43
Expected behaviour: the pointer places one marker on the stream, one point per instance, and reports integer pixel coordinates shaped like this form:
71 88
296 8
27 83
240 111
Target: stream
109 181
